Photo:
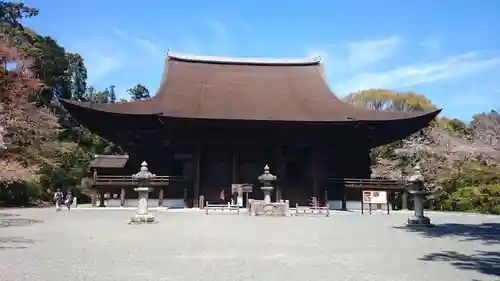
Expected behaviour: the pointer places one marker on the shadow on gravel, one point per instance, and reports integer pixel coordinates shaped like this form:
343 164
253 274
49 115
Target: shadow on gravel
488 233
11 220
481 261
15 243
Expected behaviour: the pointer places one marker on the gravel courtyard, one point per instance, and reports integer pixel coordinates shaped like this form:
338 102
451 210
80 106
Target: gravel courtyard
40 244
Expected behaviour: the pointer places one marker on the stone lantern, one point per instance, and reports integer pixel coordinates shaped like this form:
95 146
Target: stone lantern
143 177
266 179
420 193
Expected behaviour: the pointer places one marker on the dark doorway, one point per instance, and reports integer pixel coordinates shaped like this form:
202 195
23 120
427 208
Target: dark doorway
216 173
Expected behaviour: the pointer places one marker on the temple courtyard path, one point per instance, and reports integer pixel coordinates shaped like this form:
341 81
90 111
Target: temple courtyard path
40 244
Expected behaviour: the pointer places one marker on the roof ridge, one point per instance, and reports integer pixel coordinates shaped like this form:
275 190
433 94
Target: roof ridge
248 61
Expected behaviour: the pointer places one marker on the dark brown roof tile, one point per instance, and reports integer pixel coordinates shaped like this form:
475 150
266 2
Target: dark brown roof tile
247 89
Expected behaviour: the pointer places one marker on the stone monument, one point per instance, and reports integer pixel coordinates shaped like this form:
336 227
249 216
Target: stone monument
266 207
419 192
143 177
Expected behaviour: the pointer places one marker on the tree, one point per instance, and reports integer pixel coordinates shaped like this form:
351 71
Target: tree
377 99
23 124
139 92
112 94
486 128
77 73
11 13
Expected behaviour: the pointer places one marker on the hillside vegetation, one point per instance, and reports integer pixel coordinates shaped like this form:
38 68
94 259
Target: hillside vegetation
43 149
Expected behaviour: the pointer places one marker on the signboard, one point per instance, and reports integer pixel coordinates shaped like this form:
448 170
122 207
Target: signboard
235 187
374 197
247 187
243 187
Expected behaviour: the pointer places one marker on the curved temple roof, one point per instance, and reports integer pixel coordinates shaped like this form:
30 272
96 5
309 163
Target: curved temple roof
202 87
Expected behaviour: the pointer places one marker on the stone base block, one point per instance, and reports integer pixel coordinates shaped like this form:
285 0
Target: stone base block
261 208
419 222
142 218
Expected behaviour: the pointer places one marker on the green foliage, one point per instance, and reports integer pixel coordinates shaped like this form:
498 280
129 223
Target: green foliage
482 199
378 99
77 74
139 92
66 173
11 13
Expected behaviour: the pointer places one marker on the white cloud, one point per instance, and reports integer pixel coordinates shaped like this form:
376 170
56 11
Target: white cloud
431 44
100 57
218 29
149 46
365 53
362 65
215 42
354 56
421 73
99 66
319 52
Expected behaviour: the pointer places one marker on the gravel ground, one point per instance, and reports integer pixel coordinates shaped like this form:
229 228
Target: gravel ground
40 244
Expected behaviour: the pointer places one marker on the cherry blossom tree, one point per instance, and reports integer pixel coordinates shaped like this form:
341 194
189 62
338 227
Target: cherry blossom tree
23 124
486 128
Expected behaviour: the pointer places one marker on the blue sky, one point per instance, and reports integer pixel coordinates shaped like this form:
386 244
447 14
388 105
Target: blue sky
448 50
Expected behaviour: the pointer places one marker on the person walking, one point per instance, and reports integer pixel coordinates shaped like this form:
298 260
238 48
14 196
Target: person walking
58 197
68 200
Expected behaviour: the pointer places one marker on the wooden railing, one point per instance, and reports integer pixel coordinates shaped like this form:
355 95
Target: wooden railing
102 180
367 183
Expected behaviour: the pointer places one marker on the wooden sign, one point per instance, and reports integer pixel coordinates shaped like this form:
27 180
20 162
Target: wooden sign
235 187
375 197
247 187
244 187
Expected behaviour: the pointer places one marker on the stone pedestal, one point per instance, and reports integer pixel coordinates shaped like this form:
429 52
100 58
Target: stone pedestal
419 193
267 193
93 197
261 208
266 207
142 215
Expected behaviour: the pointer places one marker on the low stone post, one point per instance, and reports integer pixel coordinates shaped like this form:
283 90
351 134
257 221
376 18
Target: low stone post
143 177
122 197
266 178
419 192
160 197
93 197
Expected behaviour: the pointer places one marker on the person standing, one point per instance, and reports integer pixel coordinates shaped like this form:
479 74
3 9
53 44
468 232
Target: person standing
68 200
58 197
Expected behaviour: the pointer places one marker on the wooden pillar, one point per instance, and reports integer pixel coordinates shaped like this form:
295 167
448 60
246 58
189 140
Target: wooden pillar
160 197
279 163
344 198
314 167
196 180
122 197
101 199
234 155
404 200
